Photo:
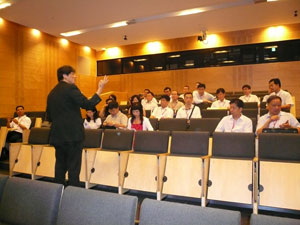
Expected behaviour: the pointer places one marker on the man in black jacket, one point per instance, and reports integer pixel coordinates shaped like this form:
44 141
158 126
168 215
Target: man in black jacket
67 132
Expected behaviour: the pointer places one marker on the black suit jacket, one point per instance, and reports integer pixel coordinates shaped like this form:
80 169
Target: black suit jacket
63 110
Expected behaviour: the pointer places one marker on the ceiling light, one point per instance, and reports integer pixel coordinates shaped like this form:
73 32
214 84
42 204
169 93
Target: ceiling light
272 0
119 24
87 49
36 32
273 46
140 60
71 33
174 56
228 61
220 52
189 12
1 21
4 5
64 42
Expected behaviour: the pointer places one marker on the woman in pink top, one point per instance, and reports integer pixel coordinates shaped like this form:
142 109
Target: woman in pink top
137 120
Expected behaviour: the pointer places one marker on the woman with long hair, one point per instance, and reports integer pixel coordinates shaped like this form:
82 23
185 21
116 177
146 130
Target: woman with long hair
92 120
135 99
137 121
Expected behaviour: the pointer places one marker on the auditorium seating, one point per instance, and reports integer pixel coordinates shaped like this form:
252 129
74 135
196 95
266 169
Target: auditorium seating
172 124
169 213
250 105
146 165
82 207
204 124
185 165
214 113
154 123
203 105
251 113
231 168
279 170
3 122
272 220
28 202
105 165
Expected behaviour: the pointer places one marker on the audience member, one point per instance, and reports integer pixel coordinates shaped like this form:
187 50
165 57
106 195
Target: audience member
265 98
135 99
174 103
236 122
92 120
146 91
104 111
116 119
276 118
163 111
186 89
137 120
286 97
248 97
149 104
201 95
189 110
112 97
221 103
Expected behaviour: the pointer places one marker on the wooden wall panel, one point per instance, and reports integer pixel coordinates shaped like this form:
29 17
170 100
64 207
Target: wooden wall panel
28 67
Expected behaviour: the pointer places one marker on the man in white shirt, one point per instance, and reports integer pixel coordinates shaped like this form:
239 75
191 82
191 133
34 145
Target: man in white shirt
146 91
17 125
189 110
201 95
286 97
236 122
186 89
163 111
248 97
221 103
276 118
116 119
149 103
174 103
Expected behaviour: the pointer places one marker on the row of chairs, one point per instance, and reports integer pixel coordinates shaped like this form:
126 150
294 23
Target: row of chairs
28 202
180 164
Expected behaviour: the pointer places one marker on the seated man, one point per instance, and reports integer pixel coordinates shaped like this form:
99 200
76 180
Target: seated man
286 98
174 103
200 95
163 111
236 122
189 110
149 104
276 118
186 89
221 103
146 91
116 119
248 97
16 125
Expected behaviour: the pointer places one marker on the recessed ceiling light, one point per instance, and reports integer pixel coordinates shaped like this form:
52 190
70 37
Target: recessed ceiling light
140 60
189 12
119 24
71 33
4 5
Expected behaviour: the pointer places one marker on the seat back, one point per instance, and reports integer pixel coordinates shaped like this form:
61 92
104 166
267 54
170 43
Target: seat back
214 113
263 105
257 219
233 145
148 113
263 111
117 139
204 124
3 122
254 123
92 138
40 114
172 124
250 105
81 207
168 213
203 105
189 143
275 146
39 136
154 123
251 113
30 202
151 141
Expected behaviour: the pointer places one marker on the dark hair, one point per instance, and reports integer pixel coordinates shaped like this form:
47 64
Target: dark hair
136 106
276 81
167 88
113 105
166 97
151 93
220 90
95 114
133 97
108 100
246 86
188 93
64 70
201 86
113 97
272 97
239 103
18 106
148 90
